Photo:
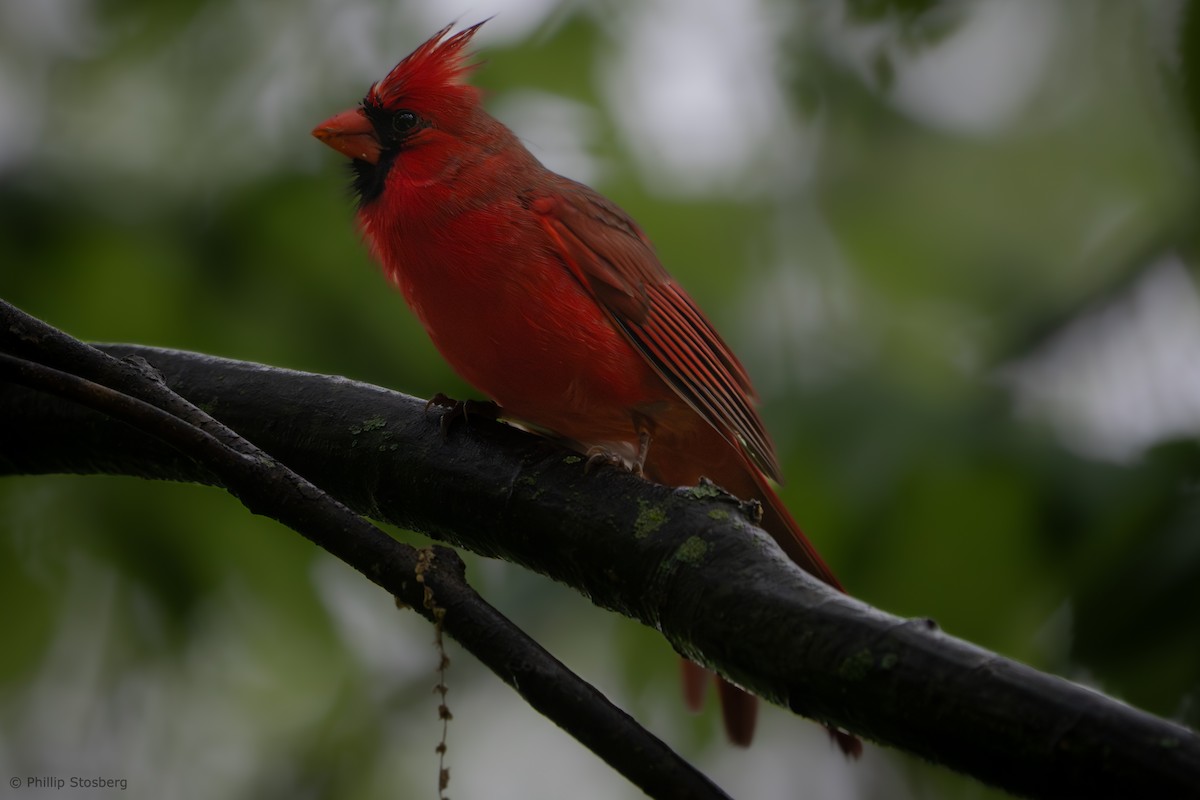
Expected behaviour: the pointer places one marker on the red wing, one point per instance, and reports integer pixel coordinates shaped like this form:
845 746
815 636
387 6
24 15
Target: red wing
611 258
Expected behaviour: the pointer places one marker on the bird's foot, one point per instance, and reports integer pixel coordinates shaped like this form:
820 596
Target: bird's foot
461 410
599 455
603 457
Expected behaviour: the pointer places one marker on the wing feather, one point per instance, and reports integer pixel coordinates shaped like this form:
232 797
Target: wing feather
612 259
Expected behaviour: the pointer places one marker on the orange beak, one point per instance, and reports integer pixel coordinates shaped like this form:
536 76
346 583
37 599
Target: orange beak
351 134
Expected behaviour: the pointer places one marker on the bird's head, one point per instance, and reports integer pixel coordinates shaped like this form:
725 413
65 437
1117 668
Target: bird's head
423 102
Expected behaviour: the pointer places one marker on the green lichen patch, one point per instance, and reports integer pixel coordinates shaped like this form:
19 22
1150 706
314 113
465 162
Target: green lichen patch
649 519
706 491
692 551
857 666
372 424
718 514
530 482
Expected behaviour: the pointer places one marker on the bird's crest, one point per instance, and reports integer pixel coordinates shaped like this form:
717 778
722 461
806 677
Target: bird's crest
433 70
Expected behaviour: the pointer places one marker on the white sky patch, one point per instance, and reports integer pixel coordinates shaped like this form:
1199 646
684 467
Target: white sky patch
695 93
975 81
1123 378
33 36
373 629
982 77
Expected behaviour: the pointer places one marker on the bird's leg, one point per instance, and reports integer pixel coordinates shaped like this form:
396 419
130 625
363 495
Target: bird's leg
600 455
645 431
462 409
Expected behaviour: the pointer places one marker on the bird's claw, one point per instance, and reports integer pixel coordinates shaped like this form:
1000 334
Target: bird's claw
599 455
603 457
461 409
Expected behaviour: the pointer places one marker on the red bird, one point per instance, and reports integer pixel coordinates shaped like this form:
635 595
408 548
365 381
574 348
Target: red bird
549 299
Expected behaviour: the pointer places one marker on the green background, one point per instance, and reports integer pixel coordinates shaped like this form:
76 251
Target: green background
954 244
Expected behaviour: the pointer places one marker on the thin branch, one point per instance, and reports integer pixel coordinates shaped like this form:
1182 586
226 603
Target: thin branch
687 562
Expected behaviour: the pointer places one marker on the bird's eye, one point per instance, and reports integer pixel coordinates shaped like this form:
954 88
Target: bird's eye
404 122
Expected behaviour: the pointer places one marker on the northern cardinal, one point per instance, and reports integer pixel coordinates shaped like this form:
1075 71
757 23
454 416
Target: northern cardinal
549 299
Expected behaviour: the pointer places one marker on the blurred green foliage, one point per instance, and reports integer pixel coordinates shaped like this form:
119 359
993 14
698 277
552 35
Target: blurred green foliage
911 247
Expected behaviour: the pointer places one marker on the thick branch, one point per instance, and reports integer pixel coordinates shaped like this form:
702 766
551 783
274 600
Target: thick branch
686 562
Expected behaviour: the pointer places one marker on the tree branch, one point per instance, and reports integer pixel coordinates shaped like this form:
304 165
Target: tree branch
688 562
435 587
